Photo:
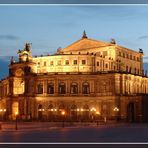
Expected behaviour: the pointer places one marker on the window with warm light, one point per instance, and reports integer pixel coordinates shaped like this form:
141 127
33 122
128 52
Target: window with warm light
40 88
51 63
106 65
85 88
97 63
44 63
123 55
127 56
83 62
62 88
50 88
74 88
75 62
67 62
59 62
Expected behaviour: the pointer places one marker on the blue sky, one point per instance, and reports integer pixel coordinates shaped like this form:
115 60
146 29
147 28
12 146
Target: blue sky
49 27
73 1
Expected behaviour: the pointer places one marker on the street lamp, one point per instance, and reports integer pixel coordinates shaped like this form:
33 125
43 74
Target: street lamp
97 115
63 116
16 115
116 110
93 110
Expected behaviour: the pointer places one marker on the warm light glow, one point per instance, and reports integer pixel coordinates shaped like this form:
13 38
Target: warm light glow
82 110
78 109
63 113
52 110
16 113
116 109
1 110
4 110
97 113
55 109
93 109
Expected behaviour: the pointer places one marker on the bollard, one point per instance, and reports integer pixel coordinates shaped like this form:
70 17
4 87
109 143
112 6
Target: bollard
97 122
104 119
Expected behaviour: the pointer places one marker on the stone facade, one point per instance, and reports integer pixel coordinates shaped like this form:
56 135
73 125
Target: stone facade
86 81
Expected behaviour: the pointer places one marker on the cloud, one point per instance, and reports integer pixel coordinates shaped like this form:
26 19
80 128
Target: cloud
145 57
143 37
8 37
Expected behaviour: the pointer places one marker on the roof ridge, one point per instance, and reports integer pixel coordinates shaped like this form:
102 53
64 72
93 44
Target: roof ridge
87 39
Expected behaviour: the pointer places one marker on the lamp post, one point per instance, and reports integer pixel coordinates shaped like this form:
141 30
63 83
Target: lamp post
63 116
97 116
116 110
93 111
16 116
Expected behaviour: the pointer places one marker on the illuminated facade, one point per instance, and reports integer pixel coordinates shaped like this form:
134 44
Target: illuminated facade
86 81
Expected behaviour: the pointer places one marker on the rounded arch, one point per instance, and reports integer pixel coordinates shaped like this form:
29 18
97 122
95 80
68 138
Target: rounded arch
40 88
86 107
86 112
40 106
73 112
74 88
50 88
73 106
85 88
15 109
61 106
51 112
50 106
62 88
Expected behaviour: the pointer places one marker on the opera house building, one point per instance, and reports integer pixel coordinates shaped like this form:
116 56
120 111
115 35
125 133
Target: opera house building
86 81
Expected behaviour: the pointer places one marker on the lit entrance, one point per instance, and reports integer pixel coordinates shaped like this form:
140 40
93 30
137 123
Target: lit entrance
15 110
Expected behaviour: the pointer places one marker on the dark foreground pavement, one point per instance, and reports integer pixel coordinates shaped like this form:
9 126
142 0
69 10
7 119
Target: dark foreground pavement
74 136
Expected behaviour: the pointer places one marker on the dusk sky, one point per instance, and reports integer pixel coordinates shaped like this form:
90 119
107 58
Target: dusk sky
48 27
73 1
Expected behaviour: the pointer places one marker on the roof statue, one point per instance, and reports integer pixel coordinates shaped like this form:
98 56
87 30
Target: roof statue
26 50
27 47
84 35
12 60
140 50
113 41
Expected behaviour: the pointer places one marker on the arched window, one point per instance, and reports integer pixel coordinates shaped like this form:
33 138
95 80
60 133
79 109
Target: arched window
51 112
74 112
40 88
85 112
50 107
40 107
50 88
62 88
74 88
85 88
